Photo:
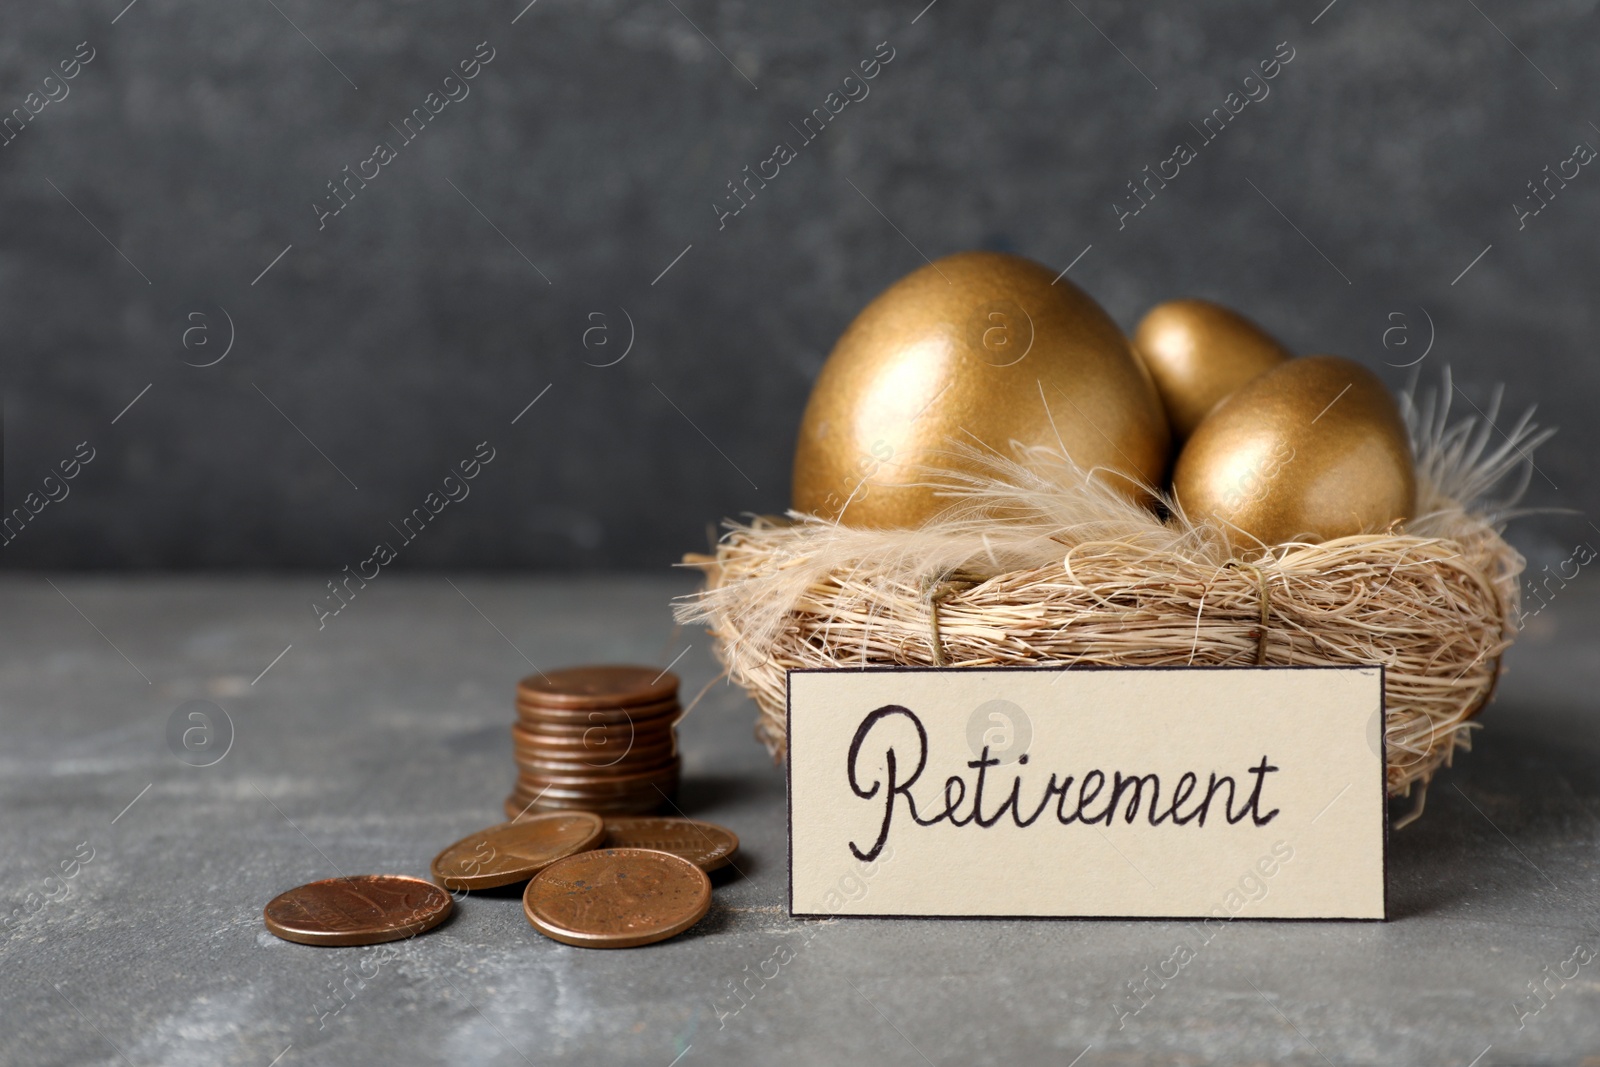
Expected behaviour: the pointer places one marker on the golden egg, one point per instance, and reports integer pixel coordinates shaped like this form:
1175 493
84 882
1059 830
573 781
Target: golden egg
1198 353
979 347
1313 450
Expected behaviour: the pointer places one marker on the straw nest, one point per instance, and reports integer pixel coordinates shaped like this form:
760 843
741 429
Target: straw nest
1038 563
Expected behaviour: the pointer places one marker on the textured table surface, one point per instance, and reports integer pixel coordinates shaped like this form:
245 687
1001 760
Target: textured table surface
136 881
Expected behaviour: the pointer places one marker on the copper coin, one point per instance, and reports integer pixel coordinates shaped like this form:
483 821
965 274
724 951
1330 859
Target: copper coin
659 724
568 733
578 733
597 751
598 687
627 802
560 773
531 784
531 787
594 736
518 808
617 898
366 909
597 757
637 802
706 845
583 800
533 713
609 780
654 707
514 852
526 807
622 802
595 760
560 734
590 772
534 778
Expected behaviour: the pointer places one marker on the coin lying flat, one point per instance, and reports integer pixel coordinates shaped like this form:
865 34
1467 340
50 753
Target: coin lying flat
617 898
598 687
515 851
365 909
706 845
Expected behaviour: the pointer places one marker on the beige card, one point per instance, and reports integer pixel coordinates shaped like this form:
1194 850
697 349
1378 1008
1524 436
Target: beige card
1251 792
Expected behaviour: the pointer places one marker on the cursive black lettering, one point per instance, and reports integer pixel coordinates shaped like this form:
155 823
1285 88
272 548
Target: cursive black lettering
951 803
982 764
903 788
1180 793
1084 796
885 767
1121 783
1252 807
1211 791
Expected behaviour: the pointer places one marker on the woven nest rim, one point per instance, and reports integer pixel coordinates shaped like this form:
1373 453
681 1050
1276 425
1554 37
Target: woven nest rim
1078 575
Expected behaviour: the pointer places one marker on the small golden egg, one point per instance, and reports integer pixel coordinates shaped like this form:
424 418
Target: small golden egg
1313 450
1198 353
978 347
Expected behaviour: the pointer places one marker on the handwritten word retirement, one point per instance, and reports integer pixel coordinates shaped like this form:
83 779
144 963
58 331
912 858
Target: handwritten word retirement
1077 799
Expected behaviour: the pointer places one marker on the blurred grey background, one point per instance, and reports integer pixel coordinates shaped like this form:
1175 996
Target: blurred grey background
161 207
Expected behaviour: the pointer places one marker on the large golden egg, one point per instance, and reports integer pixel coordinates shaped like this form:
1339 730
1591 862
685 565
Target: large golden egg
1313 450
1199 353
979 347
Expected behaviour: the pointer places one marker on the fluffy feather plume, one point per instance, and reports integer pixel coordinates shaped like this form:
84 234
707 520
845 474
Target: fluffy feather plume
1039 562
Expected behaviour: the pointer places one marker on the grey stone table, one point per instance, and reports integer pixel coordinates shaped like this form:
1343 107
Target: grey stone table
136 881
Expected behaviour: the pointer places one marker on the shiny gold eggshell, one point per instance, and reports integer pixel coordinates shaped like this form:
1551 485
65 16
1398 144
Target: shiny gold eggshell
1198 353
971 348
1311 451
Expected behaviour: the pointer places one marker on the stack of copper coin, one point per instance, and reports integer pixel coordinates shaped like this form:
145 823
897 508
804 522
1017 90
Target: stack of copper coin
598 739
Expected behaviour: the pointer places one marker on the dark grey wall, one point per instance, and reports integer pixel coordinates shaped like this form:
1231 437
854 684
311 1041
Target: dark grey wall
458 285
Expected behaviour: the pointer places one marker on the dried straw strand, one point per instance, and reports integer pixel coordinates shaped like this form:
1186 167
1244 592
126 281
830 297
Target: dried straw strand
1040 564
